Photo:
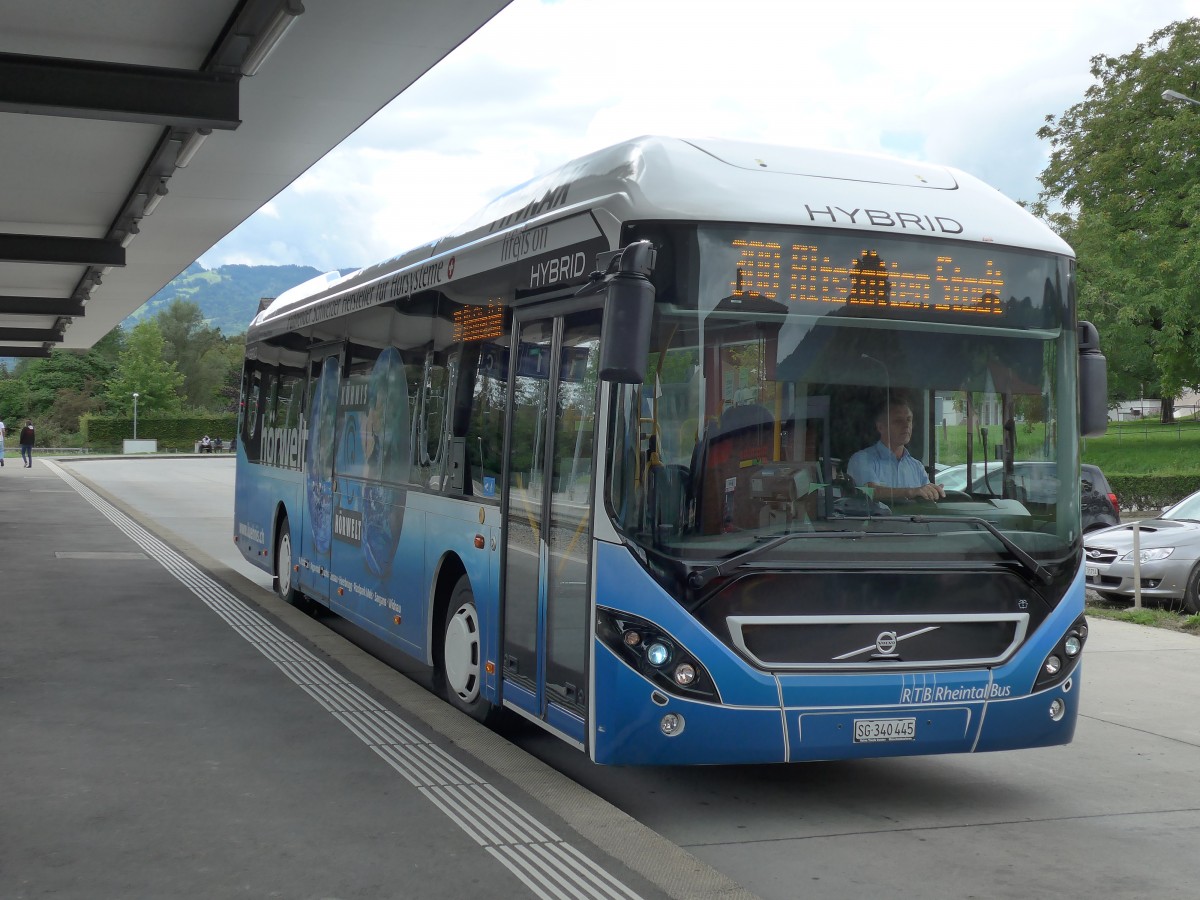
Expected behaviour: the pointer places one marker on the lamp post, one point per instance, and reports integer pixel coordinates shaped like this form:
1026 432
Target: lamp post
1180 98
135 396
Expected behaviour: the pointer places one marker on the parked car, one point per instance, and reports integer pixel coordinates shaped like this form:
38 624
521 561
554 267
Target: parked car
1169 552
1037 483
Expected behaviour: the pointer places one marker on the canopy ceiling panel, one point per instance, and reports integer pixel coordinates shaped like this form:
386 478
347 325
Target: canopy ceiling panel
101 102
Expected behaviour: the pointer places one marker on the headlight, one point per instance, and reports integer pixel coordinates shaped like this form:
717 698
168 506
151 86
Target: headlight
1149 555
658 654
685 674
1060 662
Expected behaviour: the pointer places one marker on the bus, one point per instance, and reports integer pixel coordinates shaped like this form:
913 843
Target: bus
587 457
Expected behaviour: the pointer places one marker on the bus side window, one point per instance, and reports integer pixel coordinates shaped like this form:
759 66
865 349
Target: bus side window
479 417
291 390
431 450
251 394
270 398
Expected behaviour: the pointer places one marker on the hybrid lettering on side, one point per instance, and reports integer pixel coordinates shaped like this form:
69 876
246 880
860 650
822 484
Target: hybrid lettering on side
558 268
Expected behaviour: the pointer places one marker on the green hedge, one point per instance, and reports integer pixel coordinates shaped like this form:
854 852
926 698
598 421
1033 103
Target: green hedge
178 433
1149 492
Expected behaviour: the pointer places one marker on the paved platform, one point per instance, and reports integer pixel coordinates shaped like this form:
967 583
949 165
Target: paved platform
169 728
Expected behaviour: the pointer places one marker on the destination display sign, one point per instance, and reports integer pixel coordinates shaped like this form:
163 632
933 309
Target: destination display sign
915 277
827 272
479 323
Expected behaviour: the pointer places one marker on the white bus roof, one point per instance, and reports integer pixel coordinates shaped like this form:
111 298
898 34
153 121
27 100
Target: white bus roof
664 179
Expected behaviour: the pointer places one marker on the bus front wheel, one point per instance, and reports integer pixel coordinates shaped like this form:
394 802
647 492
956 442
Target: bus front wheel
462 652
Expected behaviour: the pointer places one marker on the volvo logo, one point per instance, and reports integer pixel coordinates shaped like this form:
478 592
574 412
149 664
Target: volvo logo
885 644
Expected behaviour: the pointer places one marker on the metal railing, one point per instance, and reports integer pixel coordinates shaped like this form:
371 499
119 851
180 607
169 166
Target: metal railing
1130 424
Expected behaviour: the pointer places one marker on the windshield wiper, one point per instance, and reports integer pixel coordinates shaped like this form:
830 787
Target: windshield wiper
1010 545
701 577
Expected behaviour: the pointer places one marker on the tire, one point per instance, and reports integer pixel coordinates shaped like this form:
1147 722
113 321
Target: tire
462 654
1191 594
285 581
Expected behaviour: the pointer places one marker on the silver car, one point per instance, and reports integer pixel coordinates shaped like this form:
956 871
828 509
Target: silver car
1169 550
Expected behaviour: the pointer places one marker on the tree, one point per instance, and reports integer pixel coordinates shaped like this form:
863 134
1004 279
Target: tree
143 368
34 388
1124 169
191 344
60 424
228 393
109 347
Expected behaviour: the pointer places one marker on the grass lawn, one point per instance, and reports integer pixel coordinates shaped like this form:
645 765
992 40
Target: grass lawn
1129 448
952 443
1154 616
1146 448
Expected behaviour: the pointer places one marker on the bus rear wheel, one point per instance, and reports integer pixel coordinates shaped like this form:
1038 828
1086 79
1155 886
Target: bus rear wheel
285 575
462 653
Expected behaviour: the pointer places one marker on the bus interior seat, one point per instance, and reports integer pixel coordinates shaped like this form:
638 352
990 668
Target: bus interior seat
744 437
669 495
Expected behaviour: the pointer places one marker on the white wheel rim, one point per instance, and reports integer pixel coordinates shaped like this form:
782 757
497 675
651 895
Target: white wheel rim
284 563
462 653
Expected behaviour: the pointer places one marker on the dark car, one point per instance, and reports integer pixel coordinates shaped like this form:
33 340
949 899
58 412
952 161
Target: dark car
1099 502
1039 483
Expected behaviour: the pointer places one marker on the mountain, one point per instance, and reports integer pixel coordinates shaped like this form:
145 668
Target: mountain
227 296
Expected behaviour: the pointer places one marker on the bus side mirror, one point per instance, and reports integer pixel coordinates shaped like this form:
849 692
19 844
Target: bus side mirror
1093 383
628 311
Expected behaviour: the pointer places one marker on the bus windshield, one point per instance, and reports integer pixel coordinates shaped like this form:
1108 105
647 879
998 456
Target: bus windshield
812 384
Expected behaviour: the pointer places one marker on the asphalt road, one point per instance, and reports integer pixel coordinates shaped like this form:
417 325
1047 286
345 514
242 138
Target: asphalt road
1116 814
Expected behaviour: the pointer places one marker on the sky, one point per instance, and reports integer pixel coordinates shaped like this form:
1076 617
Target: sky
965 83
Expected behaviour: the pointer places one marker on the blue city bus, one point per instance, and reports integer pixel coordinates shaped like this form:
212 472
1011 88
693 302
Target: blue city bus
589 457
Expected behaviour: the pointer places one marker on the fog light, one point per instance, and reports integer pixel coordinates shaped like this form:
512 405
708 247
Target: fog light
657 654
632 638
685 674
1082 629
1052 666
1057 710
671 724
1072 645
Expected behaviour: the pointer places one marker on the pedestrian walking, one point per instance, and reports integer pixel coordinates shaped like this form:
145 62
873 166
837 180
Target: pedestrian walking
27 443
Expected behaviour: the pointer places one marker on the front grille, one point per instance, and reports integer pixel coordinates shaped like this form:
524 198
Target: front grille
1099 555
877 642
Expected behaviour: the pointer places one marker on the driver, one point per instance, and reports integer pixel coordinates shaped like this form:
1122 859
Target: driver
887 466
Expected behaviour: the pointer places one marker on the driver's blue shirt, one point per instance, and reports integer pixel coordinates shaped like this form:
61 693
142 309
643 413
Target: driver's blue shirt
877 464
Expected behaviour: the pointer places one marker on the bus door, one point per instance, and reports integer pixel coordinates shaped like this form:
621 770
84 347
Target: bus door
325 369
548 517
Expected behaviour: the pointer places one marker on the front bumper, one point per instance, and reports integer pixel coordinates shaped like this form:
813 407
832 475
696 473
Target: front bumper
1166 579
630 715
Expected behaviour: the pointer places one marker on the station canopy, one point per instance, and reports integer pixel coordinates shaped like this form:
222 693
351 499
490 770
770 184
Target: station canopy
135 134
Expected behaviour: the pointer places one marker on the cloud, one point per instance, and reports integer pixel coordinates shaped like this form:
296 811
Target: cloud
964 84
